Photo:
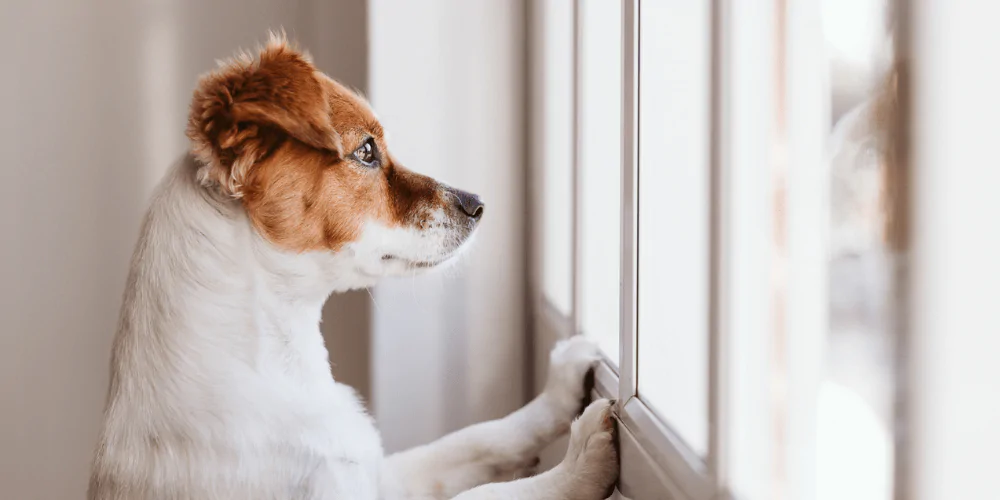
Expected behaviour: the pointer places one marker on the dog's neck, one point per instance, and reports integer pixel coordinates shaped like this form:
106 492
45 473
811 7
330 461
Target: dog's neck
204 285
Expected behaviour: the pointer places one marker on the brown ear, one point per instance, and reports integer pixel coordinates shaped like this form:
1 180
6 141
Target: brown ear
238 110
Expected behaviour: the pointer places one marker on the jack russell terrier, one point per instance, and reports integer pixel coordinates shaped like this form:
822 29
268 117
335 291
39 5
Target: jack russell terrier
220 382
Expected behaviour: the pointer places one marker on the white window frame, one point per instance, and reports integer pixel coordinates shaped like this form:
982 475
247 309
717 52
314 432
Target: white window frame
949 322
948 339
757 50
654 459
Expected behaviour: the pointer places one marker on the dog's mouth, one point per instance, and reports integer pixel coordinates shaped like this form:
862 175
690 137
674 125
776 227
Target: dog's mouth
413 264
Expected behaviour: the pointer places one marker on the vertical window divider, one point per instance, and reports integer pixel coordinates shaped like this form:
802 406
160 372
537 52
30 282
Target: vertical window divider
576 295
628 335
718 196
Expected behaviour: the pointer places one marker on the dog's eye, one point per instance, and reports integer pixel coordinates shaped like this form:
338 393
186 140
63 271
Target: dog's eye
367 154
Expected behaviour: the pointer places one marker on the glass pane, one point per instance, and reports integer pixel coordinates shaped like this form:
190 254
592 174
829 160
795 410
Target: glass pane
557 136
674 215
600 170
855 407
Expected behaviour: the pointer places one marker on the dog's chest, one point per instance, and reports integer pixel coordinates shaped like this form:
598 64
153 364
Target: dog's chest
333 454
314 444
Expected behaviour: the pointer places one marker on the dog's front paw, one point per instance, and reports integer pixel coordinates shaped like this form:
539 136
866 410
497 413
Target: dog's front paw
592 457
569 363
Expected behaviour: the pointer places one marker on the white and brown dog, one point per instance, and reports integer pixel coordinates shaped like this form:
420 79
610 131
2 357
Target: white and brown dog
221 385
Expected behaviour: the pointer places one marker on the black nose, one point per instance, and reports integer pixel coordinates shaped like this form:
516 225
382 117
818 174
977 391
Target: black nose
470 204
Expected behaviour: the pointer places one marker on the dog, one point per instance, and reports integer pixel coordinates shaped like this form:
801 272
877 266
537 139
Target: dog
220 382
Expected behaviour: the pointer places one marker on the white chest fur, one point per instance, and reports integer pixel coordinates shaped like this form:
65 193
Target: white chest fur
221 384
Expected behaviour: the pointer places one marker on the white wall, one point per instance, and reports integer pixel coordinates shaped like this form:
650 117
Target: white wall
94 97
447 80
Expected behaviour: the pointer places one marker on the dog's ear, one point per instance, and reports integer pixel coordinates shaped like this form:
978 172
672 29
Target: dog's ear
243 109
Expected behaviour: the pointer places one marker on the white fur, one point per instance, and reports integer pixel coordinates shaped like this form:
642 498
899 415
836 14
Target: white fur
221 385
440 242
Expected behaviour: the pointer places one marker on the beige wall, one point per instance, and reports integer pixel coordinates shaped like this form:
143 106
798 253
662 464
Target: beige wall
93 97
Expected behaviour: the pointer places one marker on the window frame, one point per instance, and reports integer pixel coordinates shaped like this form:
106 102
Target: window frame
942 350
741 458
654 458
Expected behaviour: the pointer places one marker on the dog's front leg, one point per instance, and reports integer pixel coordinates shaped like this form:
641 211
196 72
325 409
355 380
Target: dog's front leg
500 449
588 472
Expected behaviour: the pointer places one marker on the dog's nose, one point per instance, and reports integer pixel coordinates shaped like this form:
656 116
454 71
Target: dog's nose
470 204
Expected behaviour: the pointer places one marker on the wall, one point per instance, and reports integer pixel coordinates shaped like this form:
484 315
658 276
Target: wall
448 80
94 98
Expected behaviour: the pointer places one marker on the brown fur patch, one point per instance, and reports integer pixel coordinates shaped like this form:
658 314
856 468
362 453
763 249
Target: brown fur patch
280 135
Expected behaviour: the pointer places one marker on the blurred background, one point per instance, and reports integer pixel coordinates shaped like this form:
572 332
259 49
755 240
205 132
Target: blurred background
818 255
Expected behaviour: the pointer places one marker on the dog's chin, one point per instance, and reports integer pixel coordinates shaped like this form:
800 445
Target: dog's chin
395 264
401 265
400 262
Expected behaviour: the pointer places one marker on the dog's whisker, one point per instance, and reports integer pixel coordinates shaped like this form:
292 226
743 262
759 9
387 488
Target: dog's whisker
374 302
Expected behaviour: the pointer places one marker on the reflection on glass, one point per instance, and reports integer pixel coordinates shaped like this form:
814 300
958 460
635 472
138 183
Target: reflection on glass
855 408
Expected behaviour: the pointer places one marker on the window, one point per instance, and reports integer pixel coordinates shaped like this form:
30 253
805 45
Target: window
599 43
857 386
555 70
716 245
673 219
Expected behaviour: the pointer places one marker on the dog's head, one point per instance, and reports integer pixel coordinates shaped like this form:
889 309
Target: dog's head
309 161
